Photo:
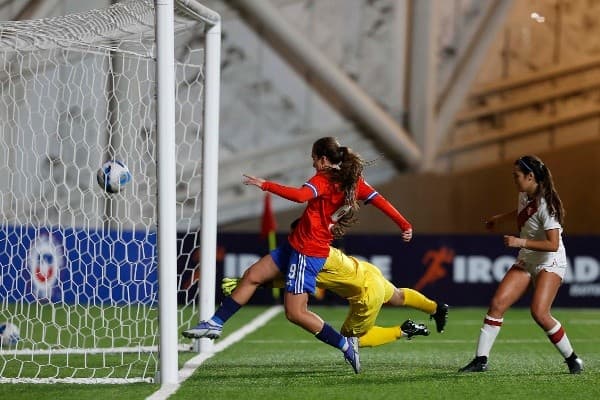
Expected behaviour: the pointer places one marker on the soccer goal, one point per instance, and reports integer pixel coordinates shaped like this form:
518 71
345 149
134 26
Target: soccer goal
80 266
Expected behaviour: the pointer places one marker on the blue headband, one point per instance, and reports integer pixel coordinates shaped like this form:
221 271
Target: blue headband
523 164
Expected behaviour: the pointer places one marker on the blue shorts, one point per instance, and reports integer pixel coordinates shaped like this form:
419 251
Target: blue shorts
300 270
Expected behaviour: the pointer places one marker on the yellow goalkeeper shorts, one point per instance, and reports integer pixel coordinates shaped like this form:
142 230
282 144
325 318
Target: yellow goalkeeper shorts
364 309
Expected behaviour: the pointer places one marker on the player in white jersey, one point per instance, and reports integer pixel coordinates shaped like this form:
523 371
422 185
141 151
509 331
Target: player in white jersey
541 262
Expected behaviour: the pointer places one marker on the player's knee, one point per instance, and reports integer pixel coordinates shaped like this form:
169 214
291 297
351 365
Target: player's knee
294 315
397 298
252 277
540 314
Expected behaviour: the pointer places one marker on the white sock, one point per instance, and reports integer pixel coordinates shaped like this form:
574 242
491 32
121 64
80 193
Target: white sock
559 338
487 337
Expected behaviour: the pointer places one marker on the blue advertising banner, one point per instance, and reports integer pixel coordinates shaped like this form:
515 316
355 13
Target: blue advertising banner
107 267
77 266
461 270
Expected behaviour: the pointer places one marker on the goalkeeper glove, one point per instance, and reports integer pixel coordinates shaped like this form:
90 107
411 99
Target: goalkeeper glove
228 285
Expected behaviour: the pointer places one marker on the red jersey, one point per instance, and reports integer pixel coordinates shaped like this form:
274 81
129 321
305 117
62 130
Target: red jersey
312 236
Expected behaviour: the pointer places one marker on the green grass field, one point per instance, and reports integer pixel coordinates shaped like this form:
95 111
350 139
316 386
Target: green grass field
282 360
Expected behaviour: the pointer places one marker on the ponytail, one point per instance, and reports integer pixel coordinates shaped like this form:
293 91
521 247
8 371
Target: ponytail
346 171
555 206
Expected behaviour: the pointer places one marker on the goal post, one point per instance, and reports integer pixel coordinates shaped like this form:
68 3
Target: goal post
167 231
100 284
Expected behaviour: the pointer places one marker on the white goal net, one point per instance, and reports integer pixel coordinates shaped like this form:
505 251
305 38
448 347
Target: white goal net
79 271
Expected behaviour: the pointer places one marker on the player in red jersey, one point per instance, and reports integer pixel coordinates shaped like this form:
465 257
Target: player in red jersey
331 196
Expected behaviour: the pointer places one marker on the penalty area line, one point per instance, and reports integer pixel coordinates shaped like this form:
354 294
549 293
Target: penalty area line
192 365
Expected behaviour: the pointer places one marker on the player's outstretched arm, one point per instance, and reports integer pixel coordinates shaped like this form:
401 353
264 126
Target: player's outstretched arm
369 195
252 180
492 222
298 195
388 209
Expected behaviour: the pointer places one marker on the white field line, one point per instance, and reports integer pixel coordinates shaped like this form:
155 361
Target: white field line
189 367
79 381
90 351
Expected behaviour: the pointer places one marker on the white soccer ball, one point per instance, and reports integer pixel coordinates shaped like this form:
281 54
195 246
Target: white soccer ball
113 176
9 334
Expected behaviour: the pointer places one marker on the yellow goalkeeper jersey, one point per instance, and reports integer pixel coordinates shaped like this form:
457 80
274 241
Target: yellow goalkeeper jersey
343 275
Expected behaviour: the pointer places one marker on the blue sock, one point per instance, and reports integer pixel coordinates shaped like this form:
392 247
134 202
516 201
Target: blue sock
332 337
227 308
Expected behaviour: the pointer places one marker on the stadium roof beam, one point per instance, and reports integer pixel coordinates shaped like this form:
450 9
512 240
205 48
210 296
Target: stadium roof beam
330 81
433 108
452 96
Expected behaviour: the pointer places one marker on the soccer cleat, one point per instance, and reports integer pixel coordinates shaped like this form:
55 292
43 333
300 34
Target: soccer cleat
351 354
440 316
410 329
205 329
574 363
479 364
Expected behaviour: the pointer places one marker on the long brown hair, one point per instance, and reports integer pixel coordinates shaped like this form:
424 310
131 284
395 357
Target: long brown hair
347 169
541 173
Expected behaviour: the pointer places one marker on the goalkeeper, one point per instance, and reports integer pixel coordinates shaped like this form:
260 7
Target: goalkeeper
366 290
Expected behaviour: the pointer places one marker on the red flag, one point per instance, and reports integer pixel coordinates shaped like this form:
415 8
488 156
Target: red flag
268 224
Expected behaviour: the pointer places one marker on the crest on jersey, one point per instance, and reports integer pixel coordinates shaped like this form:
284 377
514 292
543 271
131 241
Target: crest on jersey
45 260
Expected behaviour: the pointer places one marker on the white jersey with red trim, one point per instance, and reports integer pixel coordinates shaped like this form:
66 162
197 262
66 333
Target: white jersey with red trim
534 220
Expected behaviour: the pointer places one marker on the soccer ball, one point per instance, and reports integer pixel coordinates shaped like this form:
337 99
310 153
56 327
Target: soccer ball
113 176
9 334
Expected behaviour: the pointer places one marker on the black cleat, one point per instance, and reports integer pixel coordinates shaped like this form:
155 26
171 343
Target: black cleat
411 329
574 363
441 317
479 364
